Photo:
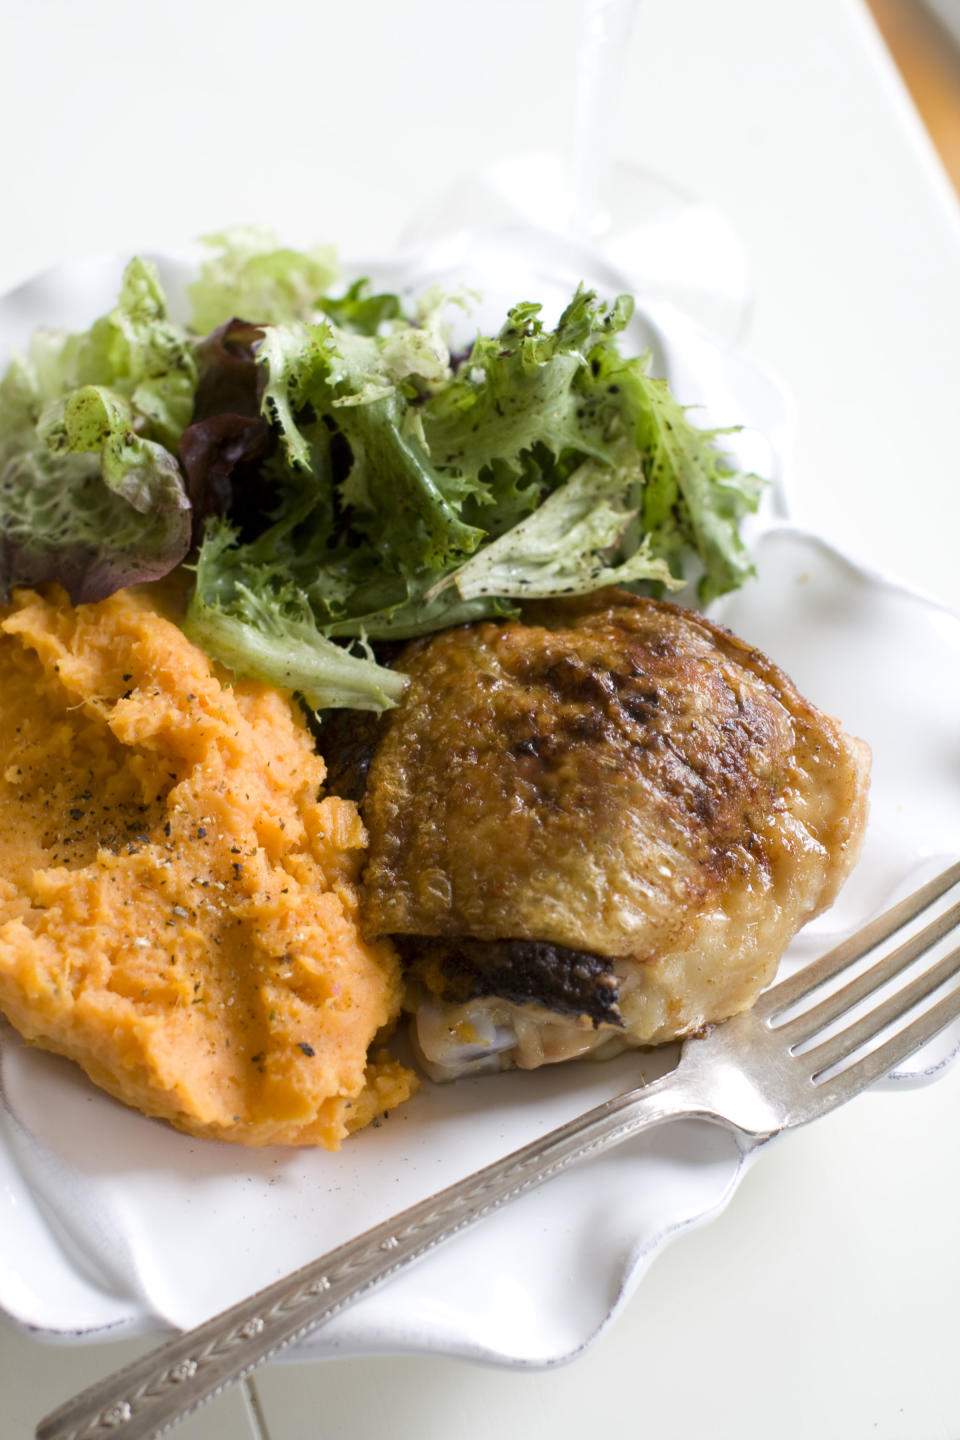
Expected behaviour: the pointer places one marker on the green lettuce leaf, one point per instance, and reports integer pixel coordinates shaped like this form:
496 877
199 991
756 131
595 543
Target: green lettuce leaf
360 311
252 277
90 496
139 352
94 419
60 522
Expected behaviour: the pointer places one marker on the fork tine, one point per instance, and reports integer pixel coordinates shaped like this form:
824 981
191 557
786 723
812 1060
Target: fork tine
821 1057
885 1057
840 1002
805 981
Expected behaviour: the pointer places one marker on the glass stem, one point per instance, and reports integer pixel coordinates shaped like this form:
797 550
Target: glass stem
605 28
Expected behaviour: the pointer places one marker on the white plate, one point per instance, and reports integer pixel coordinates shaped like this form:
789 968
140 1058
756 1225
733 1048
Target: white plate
115 1223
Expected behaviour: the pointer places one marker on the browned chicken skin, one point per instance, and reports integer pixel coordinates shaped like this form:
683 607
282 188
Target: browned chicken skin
597 827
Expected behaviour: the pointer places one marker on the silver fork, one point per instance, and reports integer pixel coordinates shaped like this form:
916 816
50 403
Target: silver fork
760 1073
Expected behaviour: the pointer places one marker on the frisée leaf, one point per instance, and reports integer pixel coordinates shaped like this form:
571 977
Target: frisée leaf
560 548
271 635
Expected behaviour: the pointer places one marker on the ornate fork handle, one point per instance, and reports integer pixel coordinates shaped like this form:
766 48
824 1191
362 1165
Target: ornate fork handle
152 1394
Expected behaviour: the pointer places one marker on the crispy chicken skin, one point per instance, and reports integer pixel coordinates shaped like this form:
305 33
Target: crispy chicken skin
596 827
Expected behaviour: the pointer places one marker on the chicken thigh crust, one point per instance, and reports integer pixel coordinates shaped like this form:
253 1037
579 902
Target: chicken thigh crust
616 778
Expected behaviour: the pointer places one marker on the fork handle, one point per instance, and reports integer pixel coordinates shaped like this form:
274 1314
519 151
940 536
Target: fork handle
153 1393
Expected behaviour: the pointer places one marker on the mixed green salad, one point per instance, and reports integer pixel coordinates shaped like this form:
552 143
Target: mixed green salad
334 476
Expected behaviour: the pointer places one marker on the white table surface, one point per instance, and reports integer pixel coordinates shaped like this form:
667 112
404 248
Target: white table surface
823 1301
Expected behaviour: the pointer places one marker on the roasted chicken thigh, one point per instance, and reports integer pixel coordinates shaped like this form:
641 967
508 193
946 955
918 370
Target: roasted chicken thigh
596 827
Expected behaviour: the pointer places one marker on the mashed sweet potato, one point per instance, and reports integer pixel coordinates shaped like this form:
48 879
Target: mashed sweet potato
176 901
